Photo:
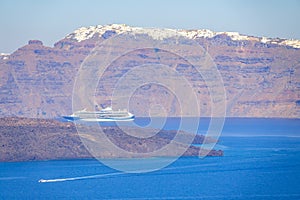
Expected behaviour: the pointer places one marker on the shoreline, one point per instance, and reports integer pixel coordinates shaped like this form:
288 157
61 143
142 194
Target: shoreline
24 139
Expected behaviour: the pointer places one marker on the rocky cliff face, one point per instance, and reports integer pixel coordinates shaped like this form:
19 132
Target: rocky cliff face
261 76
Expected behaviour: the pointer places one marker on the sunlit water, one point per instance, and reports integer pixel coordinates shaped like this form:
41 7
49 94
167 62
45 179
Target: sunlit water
261 161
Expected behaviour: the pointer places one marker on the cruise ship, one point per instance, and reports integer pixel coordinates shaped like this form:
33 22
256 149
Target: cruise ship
106 114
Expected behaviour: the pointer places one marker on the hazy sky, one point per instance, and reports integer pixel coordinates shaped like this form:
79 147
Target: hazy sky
51 20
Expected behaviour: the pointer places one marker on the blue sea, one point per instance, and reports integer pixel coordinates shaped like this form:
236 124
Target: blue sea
261 161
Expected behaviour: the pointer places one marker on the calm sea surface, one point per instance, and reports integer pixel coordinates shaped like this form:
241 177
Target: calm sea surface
261 161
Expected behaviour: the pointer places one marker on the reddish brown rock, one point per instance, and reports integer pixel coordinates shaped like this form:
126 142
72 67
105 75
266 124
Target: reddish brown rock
261 79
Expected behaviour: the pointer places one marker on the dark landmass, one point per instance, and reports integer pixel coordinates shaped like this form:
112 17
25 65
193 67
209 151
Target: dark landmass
24 139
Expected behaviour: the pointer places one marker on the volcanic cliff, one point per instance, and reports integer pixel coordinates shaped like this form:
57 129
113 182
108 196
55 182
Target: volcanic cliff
261 76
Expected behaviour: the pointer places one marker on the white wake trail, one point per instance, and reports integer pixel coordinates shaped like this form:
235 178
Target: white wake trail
112 174
78 178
